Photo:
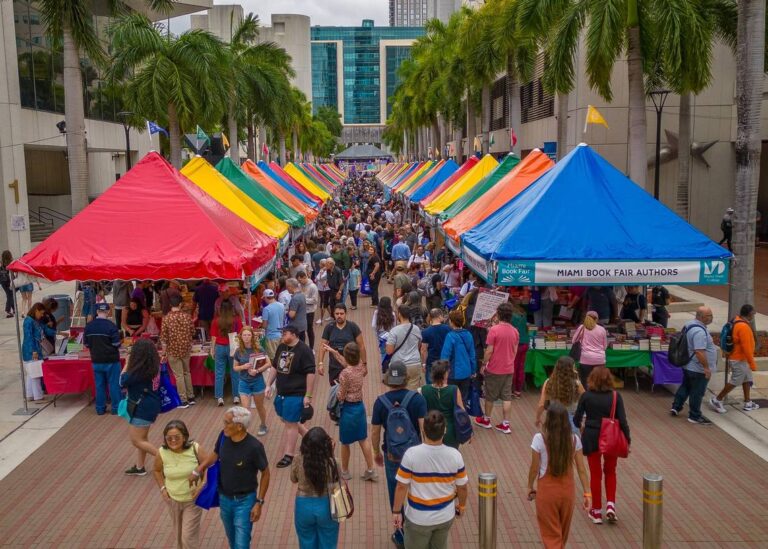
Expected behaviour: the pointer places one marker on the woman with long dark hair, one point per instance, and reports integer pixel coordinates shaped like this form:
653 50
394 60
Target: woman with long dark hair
224 324
554 452
596 404
444 398
175 461
383 321
314 469
141 378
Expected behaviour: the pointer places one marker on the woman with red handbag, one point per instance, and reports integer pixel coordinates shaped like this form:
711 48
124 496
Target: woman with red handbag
605 438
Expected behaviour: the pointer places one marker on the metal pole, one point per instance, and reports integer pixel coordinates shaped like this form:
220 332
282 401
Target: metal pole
653 492
128 163
658 153
26 410
486 491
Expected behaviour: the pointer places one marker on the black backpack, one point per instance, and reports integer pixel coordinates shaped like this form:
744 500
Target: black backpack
679 354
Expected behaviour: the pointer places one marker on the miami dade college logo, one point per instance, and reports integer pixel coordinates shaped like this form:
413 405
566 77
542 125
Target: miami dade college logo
714 268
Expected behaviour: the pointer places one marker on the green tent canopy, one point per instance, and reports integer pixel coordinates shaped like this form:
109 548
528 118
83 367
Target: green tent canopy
506 166
258 193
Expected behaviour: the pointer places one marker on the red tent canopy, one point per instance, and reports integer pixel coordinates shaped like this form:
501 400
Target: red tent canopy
152 224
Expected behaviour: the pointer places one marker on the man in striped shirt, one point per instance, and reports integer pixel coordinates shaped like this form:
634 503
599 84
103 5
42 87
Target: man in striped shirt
432 476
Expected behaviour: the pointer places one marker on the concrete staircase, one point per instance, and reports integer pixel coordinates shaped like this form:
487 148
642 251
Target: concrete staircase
40 231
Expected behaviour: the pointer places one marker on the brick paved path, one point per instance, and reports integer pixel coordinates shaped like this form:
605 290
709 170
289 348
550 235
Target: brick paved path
72 493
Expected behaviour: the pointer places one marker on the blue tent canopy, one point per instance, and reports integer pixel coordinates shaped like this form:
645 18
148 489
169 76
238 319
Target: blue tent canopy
263 166
584 222
430 185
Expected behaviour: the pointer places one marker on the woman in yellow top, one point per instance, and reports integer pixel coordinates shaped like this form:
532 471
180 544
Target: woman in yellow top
175 460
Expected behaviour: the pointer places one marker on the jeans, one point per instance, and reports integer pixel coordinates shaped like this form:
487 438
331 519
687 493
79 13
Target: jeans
223 363
353 297
8 298
375 289
236 518
107 376
693 387
314 525
390 469
344 291
311 329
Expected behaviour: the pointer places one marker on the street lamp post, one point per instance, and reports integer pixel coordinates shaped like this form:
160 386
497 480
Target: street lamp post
124 115
659 97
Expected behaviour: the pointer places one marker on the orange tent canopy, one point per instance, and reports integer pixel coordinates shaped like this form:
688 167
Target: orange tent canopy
535 164
250 168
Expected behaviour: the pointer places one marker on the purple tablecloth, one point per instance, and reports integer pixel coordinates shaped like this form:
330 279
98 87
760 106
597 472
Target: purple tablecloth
663 371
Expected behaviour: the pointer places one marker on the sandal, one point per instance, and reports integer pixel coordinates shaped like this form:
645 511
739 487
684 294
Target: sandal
285 462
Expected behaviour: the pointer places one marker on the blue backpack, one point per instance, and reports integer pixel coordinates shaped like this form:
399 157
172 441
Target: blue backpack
726 335
461 420
400 433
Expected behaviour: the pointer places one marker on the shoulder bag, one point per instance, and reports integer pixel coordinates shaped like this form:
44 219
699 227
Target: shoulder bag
612 441
575 352
342 504
387 357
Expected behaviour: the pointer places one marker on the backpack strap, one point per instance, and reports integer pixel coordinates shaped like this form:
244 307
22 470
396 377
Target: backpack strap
407 399
388 404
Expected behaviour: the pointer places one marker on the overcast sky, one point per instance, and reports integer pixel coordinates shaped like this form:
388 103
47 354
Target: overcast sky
321 12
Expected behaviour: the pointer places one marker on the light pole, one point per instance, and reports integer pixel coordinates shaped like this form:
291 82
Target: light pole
659 97
124 116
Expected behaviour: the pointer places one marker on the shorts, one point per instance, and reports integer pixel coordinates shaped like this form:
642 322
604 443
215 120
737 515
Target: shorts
498 387
740 373
251 385
138 422
26 288
289 408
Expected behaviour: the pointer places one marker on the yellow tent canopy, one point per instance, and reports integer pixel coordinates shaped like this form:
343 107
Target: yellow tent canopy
205 176
305 182
460 187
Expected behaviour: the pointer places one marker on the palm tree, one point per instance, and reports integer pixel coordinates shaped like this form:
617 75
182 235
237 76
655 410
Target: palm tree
71 24
254 73
173 79
750 63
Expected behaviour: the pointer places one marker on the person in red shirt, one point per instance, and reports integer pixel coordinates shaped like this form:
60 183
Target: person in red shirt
225 323
499 367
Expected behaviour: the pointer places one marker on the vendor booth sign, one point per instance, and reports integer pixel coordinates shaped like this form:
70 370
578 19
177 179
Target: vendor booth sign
477 263
523 273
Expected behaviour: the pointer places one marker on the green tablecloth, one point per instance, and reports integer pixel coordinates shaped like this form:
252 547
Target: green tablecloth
537 359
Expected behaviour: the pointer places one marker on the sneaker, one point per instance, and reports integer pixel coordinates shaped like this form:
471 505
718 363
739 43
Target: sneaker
192 401
284 462
717 405
700 421
610 512
353 308
596 516
371 475
219 402
484 422
236 400
183 405
504 428
673 412
750 406
346 475
136 472
262 431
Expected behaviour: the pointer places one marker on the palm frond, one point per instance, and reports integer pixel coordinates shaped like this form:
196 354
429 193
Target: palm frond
605 39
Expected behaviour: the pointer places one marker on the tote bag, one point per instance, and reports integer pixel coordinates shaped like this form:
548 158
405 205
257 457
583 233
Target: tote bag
208 498
612 441
169 396
342 505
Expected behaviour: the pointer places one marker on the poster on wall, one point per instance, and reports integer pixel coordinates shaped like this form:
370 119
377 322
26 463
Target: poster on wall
485 307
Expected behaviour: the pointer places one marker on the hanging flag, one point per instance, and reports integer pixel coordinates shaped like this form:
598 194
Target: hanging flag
153 128
202 138
224 140
477 144
493 140
513 136
265 150
594 117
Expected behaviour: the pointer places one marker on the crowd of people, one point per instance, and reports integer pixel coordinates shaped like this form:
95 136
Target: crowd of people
442 374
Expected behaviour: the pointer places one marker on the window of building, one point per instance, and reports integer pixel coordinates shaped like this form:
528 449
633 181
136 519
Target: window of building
535 102
499 105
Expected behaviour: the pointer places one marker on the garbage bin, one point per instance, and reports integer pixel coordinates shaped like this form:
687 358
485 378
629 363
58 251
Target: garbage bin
63 314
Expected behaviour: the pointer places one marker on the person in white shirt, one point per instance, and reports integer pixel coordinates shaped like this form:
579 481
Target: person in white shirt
284 296
430 507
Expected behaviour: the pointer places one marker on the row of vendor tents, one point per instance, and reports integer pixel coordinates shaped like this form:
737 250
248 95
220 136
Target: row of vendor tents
578 222
156 222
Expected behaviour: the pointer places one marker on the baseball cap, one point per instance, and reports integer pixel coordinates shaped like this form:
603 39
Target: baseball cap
102 306
396 373
268 293
306 413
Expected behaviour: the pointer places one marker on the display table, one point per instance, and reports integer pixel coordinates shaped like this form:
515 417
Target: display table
536 361
76 376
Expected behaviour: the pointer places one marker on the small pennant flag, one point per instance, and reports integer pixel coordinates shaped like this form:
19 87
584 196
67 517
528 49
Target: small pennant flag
513 136
202 137
477 144
493 140
265 150
153 128
224 140
594 117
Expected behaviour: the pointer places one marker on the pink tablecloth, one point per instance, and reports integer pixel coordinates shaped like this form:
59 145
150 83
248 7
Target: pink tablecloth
76 376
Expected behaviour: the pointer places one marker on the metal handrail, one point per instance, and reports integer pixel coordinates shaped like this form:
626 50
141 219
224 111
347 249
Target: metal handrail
52 214
36 218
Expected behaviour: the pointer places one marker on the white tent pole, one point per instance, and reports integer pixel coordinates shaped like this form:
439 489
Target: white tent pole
25 411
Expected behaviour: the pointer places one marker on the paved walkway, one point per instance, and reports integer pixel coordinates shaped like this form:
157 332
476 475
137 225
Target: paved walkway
71 491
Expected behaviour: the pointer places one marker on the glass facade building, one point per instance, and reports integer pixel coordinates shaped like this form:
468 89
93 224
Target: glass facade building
365 77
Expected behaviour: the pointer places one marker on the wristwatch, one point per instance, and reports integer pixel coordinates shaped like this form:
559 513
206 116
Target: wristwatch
260 501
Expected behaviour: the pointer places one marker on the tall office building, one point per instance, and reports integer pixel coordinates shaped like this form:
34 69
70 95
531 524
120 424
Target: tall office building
442 9
408 13
354 70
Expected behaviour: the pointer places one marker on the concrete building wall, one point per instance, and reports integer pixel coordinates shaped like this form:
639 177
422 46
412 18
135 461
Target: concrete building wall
222 20
442 9
292 33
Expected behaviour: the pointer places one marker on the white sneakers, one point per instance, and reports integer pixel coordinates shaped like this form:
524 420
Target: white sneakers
750 406
717 405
